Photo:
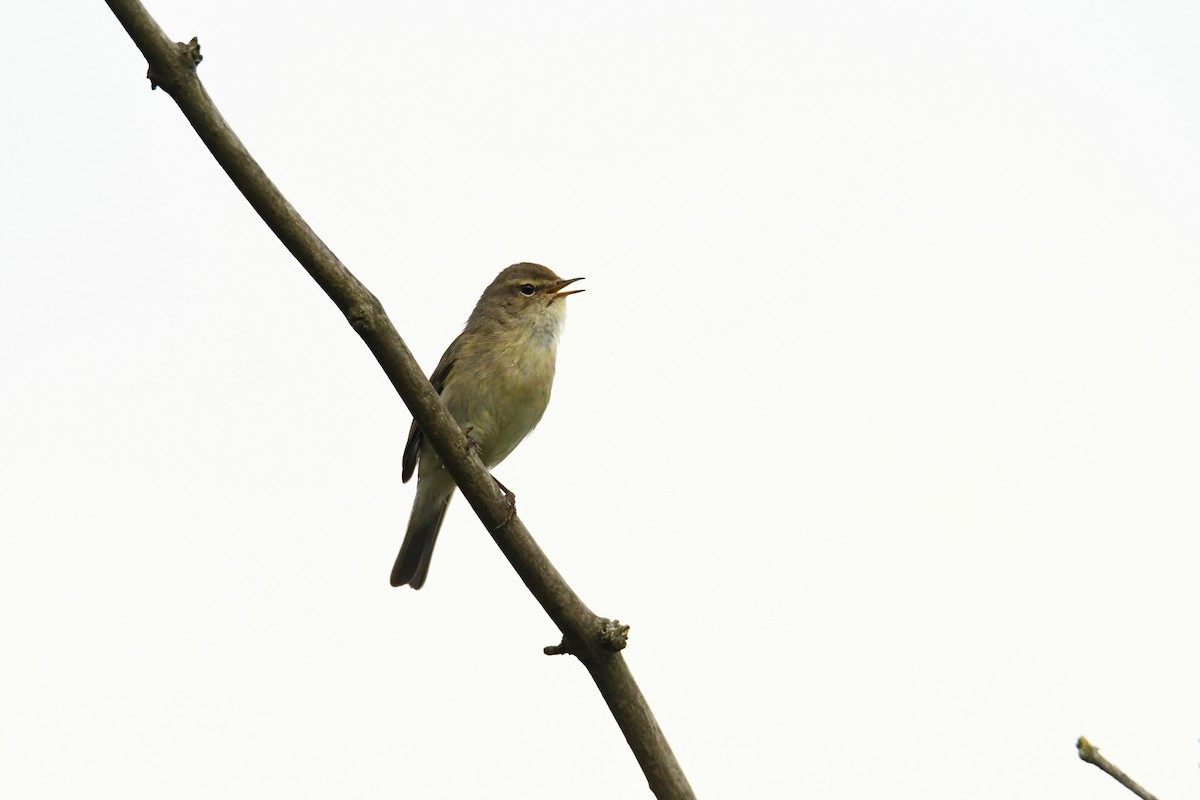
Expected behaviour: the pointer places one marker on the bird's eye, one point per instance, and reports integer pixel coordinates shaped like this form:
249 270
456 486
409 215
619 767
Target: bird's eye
527 289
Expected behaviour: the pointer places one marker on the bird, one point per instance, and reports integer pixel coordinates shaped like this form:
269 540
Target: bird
495 379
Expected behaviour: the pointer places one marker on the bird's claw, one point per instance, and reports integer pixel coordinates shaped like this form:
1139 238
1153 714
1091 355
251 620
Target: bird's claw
509 497
472 445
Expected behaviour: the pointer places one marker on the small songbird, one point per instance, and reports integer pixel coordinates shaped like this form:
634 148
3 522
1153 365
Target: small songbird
495 379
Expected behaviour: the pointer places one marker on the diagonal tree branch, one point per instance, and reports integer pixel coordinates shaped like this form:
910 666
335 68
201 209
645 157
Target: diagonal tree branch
595 641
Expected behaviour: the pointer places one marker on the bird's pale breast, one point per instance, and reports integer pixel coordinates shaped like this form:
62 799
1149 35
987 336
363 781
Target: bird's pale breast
500 388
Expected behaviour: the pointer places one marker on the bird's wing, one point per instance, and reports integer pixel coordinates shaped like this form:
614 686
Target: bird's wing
413 447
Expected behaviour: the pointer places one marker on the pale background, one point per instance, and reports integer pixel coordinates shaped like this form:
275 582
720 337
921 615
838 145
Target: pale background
878 420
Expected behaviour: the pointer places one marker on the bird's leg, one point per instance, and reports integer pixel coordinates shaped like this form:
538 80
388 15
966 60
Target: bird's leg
509 495
511 498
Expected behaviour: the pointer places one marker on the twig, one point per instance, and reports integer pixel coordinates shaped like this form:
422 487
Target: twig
1092 755
173 68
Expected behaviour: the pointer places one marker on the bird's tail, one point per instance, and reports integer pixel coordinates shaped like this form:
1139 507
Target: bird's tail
429 509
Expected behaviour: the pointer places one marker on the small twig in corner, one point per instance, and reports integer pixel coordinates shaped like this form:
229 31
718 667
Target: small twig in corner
1092 755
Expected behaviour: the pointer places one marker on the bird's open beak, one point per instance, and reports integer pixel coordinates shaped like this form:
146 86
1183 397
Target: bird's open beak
557 289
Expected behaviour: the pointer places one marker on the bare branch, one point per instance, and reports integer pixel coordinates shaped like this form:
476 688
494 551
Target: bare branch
173 67
1092 755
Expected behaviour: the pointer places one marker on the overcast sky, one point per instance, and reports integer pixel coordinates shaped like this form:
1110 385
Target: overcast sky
877 422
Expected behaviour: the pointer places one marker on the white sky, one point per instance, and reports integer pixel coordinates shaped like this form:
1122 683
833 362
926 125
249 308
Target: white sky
878 420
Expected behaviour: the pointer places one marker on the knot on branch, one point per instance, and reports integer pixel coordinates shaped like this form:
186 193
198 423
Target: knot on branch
610 637
366 315
188 57
613 635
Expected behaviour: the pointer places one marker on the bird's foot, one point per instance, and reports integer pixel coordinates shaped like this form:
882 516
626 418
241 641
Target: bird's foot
511 498
472 444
